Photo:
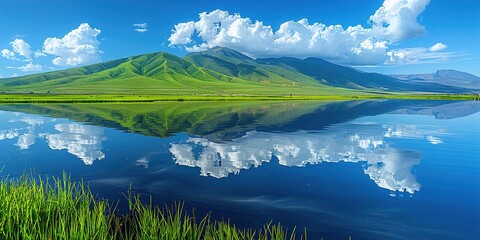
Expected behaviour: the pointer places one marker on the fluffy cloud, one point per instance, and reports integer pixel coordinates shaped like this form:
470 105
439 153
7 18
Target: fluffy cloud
395 20
437 47
79 46
8 54
140 27
22 48
182 33
19 47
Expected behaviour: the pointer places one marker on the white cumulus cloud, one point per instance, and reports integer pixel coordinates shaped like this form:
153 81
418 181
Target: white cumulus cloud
22 48
437 47
182 34
394 21
19 47
79 46
397 19
8 54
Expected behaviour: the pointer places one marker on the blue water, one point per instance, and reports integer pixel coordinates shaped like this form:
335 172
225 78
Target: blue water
367 169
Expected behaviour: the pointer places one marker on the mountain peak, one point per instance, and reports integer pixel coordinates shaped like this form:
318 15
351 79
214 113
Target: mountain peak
453 74
224 52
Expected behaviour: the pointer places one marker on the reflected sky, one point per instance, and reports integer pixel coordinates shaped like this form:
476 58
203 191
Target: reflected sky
368 143
371 169
82 141
365 142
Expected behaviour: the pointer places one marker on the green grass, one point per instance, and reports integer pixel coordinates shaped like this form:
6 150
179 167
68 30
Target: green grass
58 208
105 98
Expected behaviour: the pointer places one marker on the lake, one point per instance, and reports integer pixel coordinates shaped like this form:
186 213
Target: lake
379 169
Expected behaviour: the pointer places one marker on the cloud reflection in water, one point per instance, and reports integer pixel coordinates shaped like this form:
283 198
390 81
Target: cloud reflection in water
83 141
388 167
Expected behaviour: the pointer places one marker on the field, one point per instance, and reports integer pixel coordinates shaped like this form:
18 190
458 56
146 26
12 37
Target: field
99 98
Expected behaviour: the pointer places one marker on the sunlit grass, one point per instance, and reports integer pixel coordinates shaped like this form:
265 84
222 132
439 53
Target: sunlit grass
100 98
58 208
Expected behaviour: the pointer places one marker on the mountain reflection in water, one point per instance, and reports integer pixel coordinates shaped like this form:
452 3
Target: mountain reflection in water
380 169
240 141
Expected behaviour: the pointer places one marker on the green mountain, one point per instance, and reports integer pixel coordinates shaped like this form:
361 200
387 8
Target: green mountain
161 73
215 71
340 76
234 64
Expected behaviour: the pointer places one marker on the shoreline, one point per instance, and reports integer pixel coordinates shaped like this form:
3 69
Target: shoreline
126 98
36 207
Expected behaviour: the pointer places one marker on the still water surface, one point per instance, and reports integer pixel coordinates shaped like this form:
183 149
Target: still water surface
383 169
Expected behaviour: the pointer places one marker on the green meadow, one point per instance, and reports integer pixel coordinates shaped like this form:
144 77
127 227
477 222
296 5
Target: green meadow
105 98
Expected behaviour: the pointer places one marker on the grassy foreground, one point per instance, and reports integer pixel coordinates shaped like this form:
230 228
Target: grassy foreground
57 208
87 98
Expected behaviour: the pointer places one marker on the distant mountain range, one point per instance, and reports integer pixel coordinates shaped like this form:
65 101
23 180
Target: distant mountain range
225 71
444 77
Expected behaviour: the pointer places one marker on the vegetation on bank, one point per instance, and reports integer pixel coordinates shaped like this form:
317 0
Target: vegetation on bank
58 208
87 98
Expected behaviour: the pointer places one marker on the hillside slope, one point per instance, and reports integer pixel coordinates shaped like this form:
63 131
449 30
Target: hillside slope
215 71
340 76
156 73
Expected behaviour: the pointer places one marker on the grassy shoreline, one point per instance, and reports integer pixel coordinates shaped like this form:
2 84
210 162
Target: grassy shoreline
58 208
104 98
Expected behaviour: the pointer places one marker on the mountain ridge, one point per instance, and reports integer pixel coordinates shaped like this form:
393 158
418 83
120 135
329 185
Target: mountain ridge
446 77
215 71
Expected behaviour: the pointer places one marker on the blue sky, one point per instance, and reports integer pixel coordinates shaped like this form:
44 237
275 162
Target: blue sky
391 36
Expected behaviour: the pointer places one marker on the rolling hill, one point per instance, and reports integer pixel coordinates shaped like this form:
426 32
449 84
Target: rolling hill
216 71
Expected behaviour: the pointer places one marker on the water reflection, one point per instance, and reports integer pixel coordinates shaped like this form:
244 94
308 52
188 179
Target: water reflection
26 140
83 141
25 134
330 166
388 167
227 138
